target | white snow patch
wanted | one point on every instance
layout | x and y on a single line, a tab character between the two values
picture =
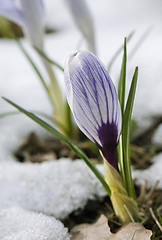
157	137
55	188
14	129
19	224
152	174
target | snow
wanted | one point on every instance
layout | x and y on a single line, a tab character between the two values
58	188
151	174
157	137
55	188
18	224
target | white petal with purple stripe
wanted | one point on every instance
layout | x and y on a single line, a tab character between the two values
92	97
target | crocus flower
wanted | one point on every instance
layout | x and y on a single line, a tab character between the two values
93	100
83	20
29	14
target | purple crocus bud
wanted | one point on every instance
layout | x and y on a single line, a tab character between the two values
93	100
83	20
29	14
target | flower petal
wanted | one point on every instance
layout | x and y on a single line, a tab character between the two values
33	12
83	20
9	9
93	100
29	14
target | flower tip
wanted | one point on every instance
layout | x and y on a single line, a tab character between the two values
72	57
71	61
74	54
77	59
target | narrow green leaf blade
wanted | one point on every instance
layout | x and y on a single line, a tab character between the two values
130	101
122	80
48	59
118	52
121	96
121	159
126	133
77	150
33	65
42	114
140	42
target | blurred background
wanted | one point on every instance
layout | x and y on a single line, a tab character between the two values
113	20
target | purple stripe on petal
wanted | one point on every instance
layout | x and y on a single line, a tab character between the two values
96	77
81	89
105	84
83	119
92	98
83	94
96	91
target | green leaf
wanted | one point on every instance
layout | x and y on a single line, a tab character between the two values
140	42
33	65
121	159
122	80
126	134
44	115
130	102
47	89
48	59
118	52
121	96
71	145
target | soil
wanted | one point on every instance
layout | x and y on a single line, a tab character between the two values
34	149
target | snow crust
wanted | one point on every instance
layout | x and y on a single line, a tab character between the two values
157	137
55	188
18	224
152	174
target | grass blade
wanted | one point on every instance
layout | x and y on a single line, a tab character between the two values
122	80
44	115
36	70
140	42
118	52
126	132
49	60
33	65
121	96
77	150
